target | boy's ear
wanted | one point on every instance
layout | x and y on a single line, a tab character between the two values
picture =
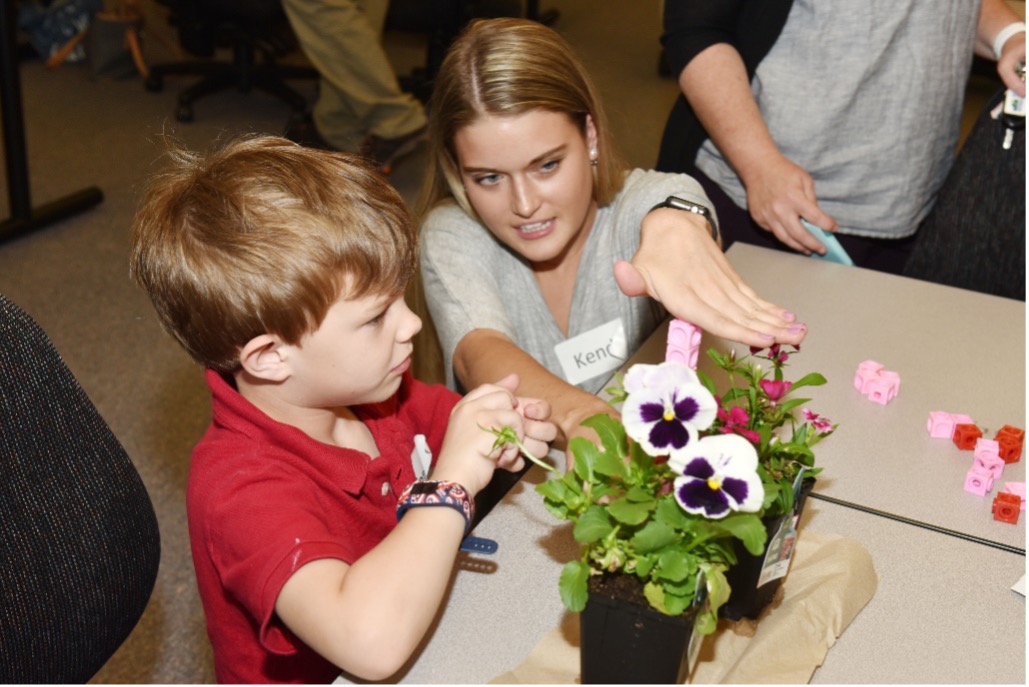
263	357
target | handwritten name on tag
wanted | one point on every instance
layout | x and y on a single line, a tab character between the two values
596	352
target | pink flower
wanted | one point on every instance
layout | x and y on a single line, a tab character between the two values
775	353
775	389
735	422
821	424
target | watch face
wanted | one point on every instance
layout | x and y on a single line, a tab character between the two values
681	204
422	488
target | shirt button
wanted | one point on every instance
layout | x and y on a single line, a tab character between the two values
385	488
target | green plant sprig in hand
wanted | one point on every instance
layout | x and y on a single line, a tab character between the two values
507	435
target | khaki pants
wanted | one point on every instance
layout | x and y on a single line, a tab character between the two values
358	92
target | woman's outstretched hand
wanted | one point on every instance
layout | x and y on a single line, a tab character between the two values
686	271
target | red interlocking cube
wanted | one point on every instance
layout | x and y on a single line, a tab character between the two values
1006	507
965	436
1010	440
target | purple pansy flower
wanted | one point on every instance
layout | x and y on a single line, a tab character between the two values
666	406
719	475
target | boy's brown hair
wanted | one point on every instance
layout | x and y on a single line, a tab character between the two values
263	236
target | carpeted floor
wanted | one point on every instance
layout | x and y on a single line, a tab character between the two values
72	277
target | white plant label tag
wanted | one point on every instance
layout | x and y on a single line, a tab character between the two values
593	353
780	550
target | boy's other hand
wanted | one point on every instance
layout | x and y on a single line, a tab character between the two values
468	456
539	432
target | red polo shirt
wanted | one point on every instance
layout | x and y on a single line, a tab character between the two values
264	499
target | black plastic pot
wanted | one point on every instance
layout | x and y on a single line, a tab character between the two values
624	642
747	599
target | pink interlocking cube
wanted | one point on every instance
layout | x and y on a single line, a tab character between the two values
940	424
884	387
683	343
867	371
987	457
978	483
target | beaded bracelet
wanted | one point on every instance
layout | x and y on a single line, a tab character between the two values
437	493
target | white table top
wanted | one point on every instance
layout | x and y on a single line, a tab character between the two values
943	611
955	350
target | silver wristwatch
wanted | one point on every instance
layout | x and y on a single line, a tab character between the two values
689	206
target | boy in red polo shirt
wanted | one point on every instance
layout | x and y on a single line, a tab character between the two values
282	270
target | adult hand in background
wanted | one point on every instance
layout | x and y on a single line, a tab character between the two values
779	193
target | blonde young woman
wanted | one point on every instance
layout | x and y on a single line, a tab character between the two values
542	253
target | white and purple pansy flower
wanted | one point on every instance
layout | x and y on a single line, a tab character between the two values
666	407
719	476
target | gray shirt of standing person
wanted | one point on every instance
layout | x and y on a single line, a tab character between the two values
473	281
867	97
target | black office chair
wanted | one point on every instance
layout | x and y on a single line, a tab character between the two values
258	33
974	237
79	543
442	21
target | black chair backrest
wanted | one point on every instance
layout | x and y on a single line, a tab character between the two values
79	543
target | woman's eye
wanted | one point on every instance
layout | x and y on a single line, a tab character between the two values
549	165
488	180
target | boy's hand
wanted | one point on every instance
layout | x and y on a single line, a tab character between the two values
468	456
535	412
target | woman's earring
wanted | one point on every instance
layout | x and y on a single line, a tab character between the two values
593	156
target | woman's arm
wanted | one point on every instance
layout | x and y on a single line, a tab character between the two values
995	15
487	354
779	192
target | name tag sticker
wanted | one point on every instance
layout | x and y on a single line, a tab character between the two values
593	353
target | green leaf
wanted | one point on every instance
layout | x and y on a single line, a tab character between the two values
771	494
706	622
717	586
644	564
593	525
676	605
629	512
610	431
585	454
706	380
655	594
572	585
553	490
611	465
811	379
674	566
652	537
787	406
638	494
669	513
748	528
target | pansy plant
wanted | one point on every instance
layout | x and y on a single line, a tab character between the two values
658	499
666	490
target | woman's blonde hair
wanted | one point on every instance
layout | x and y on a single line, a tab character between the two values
506	67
